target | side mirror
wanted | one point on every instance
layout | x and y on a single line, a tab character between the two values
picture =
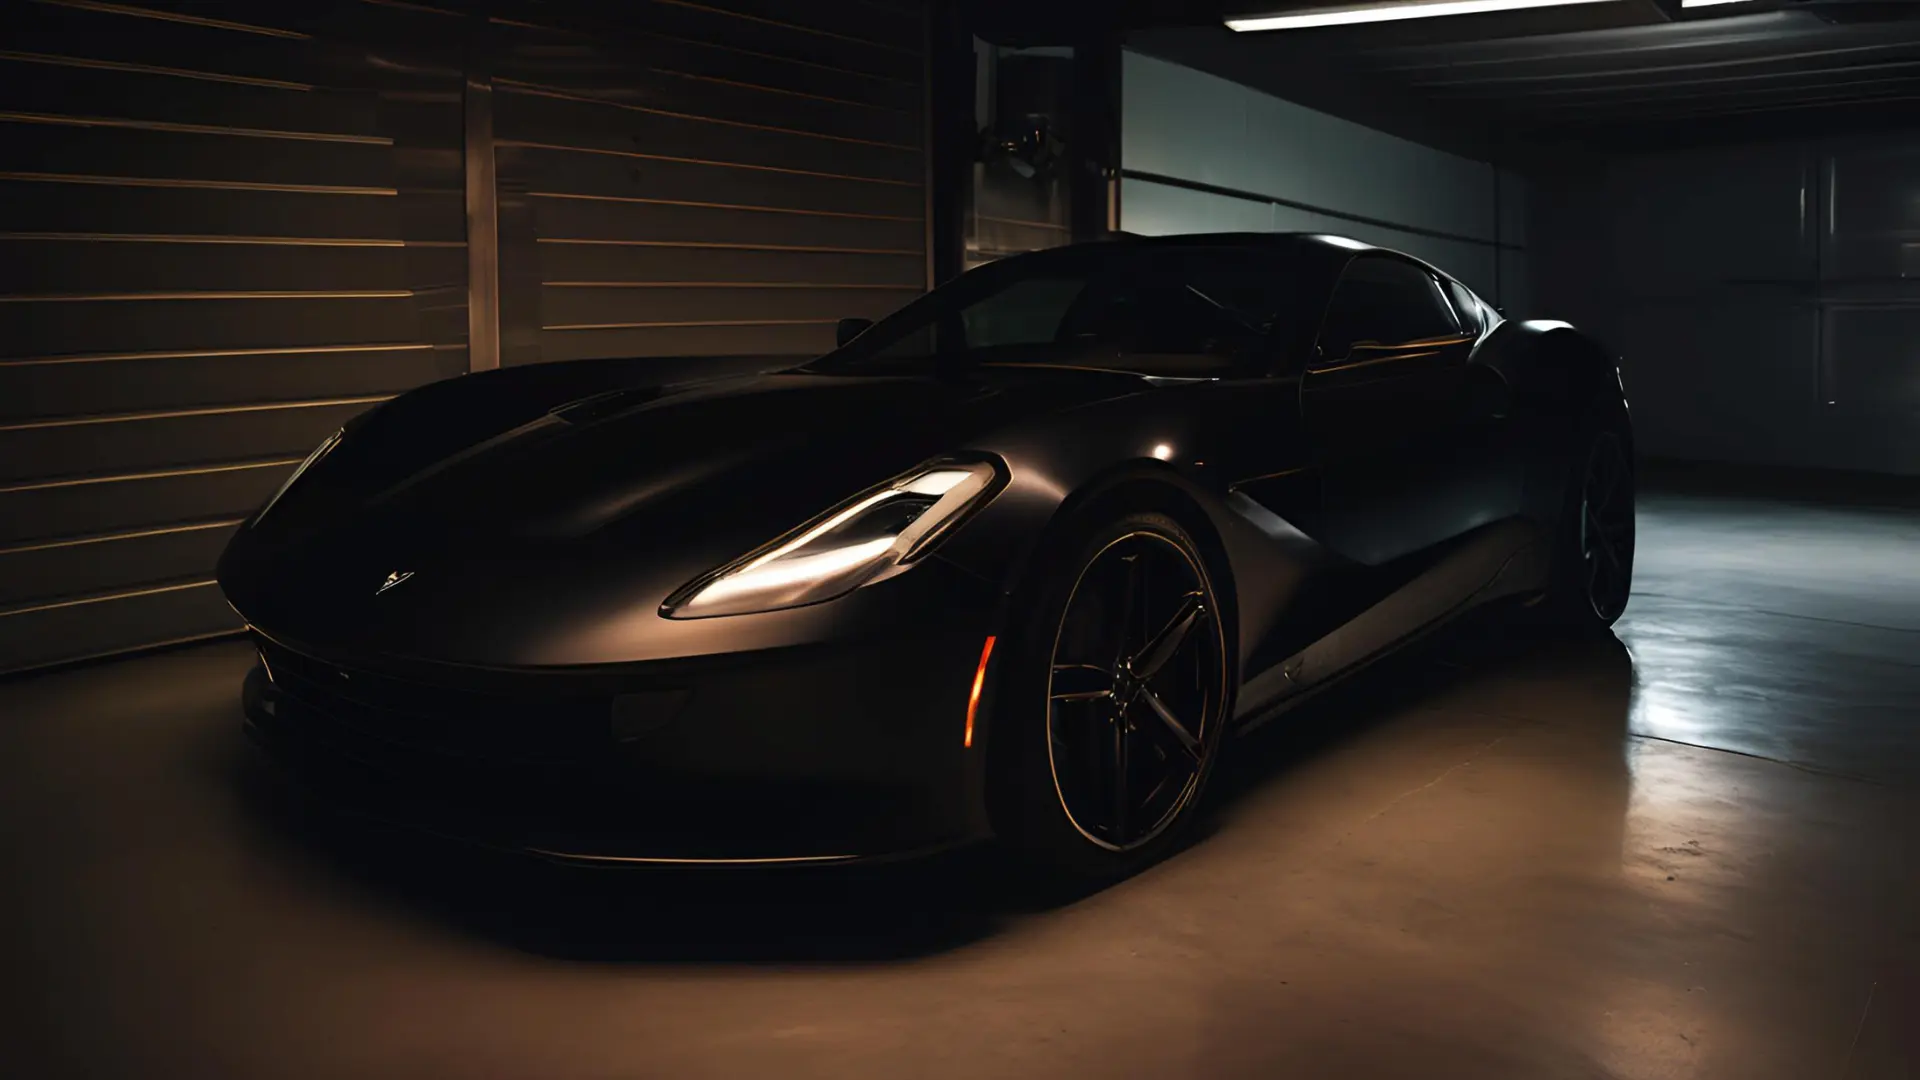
848	329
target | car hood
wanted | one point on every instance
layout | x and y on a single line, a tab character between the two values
622	494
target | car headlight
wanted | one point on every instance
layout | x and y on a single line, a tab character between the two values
326	447
872	536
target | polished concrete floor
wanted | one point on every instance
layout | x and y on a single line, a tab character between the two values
1691	852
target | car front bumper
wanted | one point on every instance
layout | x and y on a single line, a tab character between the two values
813	754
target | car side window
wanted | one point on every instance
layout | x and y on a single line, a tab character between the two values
1025	313
1382	301
1195	302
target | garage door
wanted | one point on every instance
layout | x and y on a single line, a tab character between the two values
226	228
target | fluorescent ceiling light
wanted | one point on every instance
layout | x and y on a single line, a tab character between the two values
1711	3
1391	12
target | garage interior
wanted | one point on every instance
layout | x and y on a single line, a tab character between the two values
1691	849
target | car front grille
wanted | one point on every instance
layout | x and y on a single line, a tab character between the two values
360	706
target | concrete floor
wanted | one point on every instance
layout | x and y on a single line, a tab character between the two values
1697	855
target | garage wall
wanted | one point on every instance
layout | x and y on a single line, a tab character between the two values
1200	153
221	234
227	227
1765	299
709	180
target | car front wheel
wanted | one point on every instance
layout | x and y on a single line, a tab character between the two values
1117	704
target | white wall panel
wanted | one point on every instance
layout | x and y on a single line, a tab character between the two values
1180	122
1296	169
1158	209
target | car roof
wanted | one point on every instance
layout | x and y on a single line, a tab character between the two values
1329	251
1324	241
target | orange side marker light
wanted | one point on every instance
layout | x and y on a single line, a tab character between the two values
973	699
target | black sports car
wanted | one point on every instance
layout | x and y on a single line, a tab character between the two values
1013	562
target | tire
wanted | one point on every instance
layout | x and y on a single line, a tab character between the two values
1119	670
1592	567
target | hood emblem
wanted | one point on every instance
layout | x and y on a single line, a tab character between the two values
393	579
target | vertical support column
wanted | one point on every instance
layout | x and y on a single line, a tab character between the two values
1093	151
950	139
483	206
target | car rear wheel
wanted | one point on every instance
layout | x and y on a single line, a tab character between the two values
1593	557
1117	703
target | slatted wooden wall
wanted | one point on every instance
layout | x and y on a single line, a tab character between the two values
712	180
226	227
223	231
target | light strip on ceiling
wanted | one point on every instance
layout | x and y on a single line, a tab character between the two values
1390	12
1711	3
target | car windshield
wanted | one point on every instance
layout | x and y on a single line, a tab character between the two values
1173	311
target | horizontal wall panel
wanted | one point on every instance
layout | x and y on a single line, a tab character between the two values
46	636
1680	357
578	173
1285	168
168	155
713	63
1748	216
111	563
795	341
575	306
430	215
113	37
90	91
523	116
1184	123
89	449
42	328
894	24
199	220
1873	359
106	207
600	219
53	509
1875	223
753	104
788	37
1778	325
115	262
141	384
201	225
1158	209
742	135
627	262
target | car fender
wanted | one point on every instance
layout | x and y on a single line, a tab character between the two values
1552	375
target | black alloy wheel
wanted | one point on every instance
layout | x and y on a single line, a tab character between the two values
1606	527
1136	690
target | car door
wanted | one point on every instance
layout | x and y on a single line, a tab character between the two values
1379	401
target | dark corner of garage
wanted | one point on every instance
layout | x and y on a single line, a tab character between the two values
960	538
